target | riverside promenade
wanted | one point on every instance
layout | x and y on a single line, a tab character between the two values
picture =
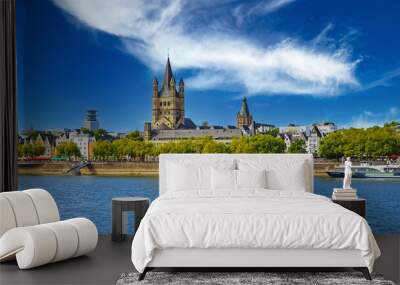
122	168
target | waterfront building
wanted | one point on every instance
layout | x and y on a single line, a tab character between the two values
287	138
313	141
295	129
83	141
220	134
91	121
47	139
326	127
260	128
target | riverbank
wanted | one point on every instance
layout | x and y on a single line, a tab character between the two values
95	168
120	168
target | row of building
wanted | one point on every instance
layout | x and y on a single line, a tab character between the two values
169	123
311	135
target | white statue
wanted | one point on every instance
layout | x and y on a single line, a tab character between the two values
347	174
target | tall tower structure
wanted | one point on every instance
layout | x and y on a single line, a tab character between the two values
91	121
243	117
168	108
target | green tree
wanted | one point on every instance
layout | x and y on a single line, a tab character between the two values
258	144
242	145
20	150
38	148
103	150
297	146
273	132
119	148
215	147
86	131
267	144
135	135
375	142
99	133
27	150
392	124
68	149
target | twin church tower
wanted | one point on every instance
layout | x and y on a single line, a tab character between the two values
168	106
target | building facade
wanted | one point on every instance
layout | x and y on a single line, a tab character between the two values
326	127
84	142
313	141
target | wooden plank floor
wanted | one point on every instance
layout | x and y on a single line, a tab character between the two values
110	260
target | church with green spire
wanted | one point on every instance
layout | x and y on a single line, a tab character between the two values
168	121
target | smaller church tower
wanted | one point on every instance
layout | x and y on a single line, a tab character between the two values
147	131
243	117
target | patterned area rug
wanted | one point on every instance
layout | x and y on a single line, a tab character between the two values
230	278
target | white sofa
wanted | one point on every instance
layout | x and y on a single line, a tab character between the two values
31	231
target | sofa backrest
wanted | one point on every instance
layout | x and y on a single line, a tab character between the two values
26	208
280	166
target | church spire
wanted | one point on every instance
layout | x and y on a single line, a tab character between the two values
167	75
244	110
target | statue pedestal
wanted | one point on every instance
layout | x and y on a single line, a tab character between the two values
344	194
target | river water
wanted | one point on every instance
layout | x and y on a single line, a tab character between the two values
90	196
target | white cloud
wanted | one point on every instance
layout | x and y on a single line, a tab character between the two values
383	81
368	119
263	7
217	58
322	37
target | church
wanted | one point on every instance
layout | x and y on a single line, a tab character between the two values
168	121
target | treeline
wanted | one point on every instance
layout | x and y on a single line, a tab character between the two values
31	149
371	143
129	148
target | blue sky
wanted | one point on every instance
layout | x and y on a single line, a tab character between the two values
297	61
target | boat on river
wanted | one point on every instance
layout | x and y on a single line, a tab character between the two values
366	170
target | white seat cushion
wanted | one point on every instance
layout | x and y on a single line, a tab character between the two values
7	220
23	208
46	207
67	240
40	244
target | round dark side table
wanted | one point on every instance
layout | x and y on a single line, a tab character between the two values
120	208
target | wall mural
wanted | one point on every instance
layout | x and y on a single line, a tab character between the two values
104	87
